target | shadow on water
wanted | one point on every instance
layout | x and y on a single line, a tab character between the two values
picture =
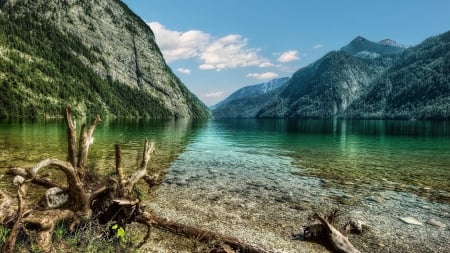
340	126
360	155
24	143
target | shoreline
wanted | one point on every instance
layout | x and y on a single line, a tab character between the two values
265	207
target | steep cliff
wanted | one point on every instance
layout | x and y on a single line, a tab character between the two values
416	87
97	55
370	80
323	89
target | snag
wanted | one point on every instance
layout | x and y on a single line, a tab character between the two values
86	196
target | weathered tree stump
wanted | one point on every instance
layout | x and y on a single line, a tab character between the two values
324	231
86	196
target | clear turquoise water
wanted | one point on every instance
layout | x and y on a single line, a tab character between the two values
262	179
412	156
409	156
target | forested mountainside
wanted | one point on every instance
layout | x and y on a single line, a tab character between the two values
97	56
246	102
416	87
365	79
324	88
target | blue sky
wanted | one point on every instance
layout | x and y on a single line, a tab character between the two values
216	47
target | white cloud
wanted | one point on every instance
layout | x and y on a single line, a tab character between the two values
289	56
230	51
263	76
318	46
218	94
184	71
266	64
179	45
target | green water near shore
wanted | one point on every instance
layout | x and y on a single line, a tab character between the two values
412	156
24	143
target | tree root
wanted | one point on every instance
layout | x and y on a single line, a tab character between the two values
323	229
198	233
109	201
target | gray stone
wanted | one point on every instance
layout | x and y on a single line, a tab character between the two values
411	220
436	223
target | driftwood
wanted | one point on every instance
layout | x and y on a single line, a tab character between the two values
323	230
85	197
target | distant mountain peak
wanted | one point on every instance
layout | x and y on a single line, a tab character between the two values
245	102
392	43
359	39
362	47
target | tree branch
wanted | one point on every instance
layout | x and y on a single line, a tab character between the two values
148	224
149	148
86	141
119	170
45	182
46	221
72	137
200	234
10	244
76	188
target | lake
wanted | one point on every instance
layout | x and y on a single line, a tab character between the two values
262	179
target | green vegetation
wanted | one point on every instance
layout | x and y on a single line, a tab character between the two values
42	69
89	237
417	86
414	84
40	73
3	234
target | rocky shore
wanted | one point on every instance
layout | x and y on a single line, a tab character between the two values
259	198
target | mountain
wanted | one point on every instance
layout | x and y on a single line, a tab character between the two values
370	80
325	88
365	48
417	86
97	56
247	101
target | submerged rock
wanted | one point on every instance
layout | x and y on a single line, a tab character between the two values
411	220
436	223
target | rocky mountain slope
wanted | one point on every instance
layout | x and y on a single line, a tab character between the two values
327	87
360	46
96	55
324	88
370	80
417	86
247	101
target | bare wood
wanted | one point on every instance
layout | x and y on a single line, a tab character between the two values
76	187
119	170
97	192
198	233
126	202
10	244
152	181
111	204
81	152
45	182
7	210
149	148
71	136
339	242
46	221
86	141
148	224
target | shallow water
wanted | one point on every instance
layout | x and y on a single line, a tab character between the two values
261	179
24	143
